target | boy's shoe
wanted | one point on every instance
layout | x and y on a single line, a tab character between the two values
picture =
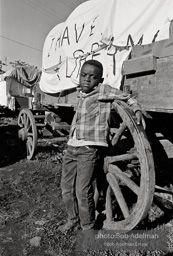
68	226
100	220
90	226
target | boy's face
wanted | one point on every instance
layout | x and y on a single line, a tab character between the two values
90	77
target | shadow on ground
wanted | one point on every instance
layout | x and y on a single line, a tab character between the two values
11	147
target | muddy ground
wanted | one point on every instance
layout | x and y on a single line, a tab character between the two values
31	204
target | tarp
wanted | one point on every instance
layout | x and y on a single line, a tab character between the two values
18	82
104	30
26	75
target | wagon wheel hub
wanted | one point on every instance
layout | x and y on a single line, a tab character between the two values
22	133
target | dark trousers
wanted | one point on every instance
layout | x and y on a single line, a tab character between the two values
80	168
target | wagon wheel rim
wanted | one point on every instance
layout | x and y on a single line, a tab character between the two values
141	188
28	131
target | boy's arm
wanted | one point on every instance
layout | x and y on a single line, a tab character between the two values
133	103
109	93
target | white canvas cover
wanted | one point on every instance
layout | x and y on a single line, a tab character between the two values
3	93
17	82
104	30
6	100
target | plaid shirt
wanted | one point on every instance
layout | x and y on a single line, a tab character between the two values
91	119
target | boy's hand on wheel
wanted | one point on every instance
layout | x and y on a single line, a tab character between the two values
140	119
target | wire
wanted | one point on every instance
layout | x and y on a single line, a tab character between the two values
38	9
67	4
46	10
20	43
47	7
41	6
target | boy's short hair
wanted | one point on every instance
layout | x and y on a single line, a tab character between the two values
94	63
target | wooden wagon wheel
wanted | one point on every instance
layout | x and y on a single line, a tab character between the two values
28	131
130	172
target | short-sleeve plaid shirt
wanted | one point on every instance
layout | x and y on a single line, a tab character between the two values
91	119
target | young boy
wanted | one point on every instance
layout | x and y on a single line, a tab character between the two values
87	139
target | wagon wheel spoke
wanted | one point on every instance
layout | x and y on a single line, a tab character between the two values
123	157
109	212
27	122
21	121
24	119
118	134
119	175
29	126
114	159
118	194
29	146
30	134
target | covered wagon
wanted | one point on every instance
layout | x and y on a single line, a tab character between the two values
133	40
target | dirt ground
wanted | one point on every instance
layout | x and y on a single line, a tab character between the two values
31	204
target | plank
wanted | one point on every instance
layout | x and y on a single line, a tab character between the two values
160	49
139	65
154	92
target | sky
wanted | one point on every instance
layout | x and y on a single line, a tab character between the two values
24	25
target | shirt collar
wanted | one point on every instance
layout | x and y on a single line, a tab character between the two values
81	94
